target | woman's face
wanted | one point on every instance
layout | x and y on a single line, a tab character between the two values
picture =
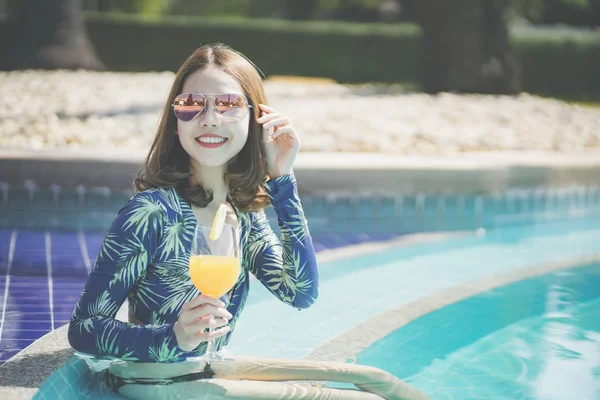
211	138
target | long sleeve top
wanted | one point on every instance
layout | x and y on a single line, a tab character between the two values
145	258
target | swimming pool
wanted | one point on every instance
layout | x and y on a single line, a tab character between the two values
425	349
538	338
516	230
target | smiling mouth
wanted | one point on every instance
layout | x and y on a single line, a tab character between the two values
211	141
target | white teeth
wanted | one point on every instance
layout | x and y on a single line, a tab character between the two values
210	140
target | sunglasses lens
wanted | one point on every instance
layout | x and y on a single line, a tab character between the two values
232	106
188	105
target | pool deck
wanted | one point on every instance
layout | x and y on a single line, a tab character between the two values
468	173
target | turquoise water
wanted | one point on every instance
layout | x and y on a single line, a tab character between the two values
355	289
534	339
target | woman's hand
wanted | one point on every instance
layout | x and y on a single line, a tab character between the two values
195	317
282	143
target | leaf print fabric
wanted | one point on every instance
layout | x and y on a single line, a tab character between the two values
145	257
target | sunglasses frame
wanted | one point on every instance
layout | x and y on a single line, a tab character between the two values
206	97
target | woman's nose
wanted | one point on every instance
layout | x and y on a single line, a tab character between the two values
209	117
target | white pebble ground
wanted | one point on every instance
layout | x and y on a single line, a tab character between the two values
101	110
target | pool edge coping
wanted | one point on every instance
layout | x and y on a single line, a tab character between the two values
351	342
323	172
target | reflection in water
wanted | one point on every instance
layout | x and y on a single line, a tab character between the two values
554	356
569	349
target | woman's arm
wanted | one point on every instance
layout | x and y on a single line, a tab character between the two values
125	253
286	266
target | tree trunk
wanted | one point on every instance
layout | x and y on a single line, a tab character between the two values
48	34
466	47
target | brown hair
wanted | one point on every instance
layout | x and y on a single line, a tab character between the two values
167	163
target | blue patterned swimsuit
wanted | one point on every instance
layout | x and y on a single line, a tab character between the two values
144	258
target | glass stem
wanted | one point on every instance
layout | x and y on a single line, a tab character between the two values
210	348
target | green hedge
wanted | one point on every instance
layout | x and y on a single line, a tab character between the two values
555	61
558	61
346	52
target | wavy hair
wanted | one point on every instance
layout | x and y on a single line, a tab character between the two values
168	164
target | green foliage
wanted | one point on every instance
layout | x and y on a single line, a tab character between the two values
148	8
346	52
570	12
554	60
323	9
559	61
240	8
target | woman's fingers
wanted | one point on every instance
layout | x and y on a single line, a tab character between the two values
217	333
200	300
212	323
279	121
266	108
286	129
191	316
268	117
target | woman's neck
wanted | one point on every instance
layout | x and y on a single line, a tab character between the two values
212	179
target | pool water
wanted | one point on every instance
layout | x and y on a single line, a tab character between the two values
405	274
48	243
534	339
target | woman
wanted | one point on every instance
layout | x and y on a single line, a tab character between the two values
217	143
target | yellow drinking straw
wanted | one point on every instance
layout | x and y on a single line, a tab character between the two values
218	222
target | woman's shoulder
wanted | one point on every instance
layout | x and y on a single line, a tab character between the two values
164	198
152	194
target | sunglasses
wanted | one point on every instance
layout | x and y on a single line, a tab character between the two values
232	106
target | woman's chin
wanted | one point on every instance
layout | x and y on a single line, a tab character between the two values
211	162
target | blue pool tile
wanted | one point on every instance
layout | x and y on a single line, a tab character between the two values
29	282
37	290
5	236
10	343
12	316
66	255
30	254
6	355
68	296
16	325
40	307
63	310
63	315
68	282
93	242
64	298
23	302
24	334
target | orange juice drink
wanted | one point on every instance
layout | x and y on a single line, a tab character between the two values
214	275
